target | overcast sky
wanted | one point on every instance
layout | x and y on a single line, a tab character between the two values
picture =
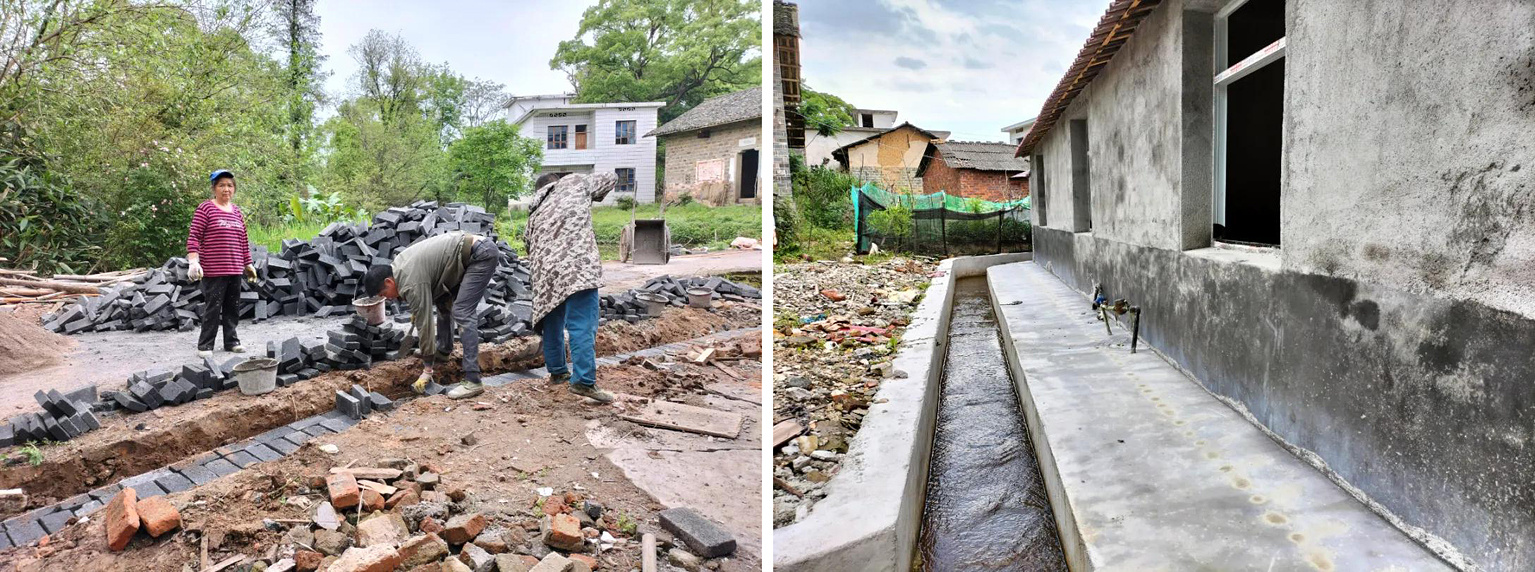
507	41
970	67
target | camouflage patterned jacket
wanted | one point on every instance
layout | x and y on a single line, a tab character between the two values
562	248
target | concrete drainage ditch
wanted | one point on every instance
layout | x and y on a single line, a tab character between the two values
872	516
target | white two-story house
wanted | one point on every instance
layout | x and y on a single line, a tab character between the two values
592	138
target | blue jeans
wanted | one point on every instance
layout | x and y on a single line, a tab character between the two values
577	315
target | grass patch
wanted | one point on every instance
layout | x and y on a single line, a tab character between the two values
825	244
271	236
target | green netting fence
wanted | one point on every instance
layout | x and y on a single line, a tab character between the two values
938	224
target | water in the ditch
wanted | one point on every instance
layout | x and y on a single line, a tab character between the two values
986	504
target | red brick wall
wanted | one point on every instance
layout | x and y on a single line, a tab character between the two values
987	185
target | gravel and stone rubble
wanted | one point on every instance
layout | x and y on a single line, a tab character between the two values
836	327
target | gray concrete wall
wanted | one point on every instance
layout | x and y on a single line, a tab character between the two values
1410	147
1424	404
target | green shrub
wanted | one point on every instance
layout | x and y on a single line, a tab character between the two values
153	214
624	202
44	224
823	196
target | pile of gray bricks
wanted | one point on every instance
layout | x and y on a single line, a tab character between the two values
64	417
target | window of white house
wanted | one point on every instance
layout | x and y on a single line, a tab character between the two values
1081	178
867	119
623	132
1249	120
626	182
558	135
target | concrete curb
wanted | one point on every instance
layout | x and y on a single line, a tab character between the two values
872	511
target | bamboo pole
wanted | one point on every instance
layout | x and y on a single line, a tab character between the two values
60	286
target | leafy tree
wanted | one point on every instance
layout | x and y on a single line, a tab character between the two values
676	51
483	101
824	113
298	29
492	163
381	164
390	75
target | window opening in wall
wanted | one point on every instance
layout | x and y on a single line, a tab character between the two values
625	180
623	132
1249	120
557	137
580	136
867	119
1038	165
1081	179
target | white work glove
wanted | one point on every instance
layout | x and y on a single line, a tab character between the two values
196	271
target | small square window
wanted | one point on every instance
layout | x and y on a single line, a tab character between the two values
558	137
626	182
623	133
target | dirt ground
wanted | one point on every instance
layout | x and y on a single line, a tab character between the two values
130	444
25	346
500	448
108	358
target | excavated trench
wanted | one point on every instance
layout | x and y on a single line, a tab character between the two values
129	445
986	507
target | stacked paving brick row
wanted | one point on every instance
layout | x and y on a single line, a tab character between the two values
316	277
274	444
64	417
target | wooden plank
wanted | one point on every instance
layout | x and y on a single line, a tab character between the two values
679	417
648	553
60	286
728	371
373	473
785	431
377	487
225	563
704	357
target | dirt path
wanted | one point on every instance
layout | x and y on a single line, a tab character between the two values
500	449
618	276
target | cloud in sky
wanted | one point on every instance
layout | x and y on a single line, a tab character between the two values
509	42
966	66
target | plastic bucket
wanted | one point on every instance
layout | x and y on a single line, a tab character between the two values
256	376
654	303
700	297
371	308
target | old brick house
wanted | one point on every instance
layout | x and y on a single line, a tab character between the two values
712	150
972	169
889	158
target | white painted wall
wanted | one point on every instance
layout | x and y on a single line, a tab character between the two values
601	153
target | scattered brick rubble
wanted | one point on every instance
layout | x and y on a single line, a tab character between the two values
834	327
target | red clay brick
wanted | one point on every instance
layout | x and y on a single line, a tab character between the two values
343	490
591	563
402	497
122	520
463	528
372	501
158	516
564	533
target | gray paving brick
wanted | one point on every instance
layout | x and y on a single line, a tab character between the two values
5	540
199	474
144	484
305	423
318	431
222	467
335	425
272	435
24	531
263	452
89	508
106	493
242	459
282	446
298	437
56	521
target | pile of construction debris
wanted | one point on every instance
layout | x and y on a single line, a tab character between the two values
836	329
401	515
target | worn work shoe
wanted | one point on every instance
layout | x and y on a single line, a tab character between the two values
558	378
591	392
465	390
237	349
204	353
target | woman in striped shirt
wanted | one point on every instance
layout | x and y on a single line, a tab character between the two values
217	249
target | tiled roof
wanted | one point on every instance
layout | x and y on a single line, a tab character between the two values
742	105
1113	32
981	155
